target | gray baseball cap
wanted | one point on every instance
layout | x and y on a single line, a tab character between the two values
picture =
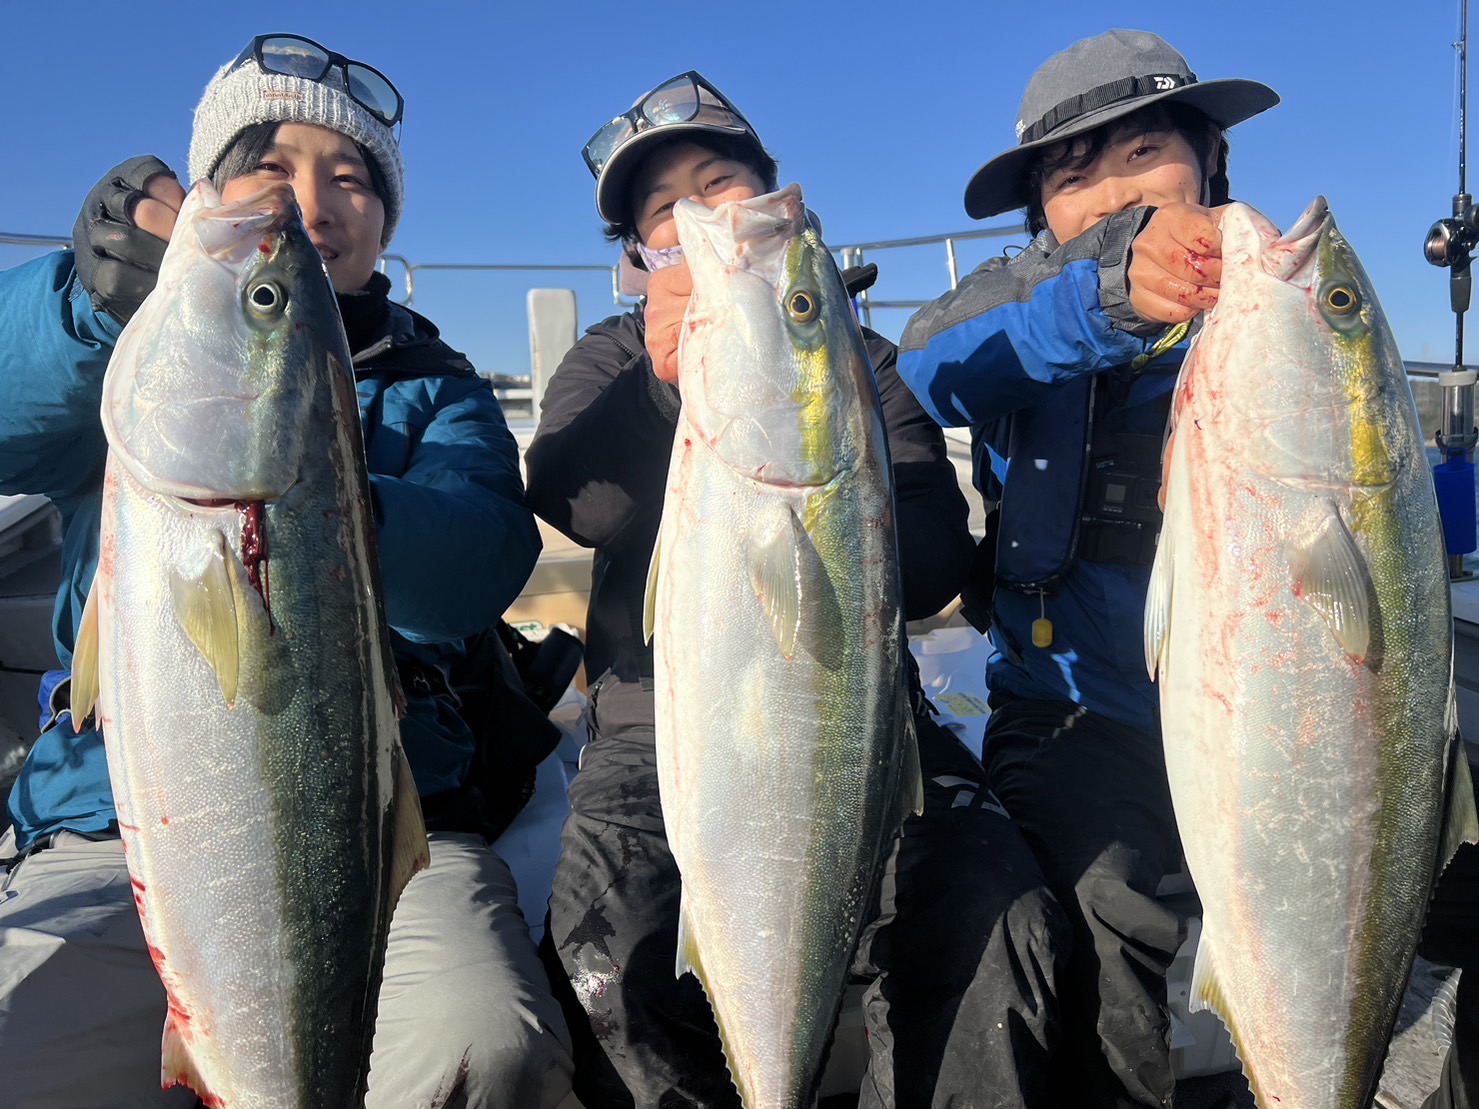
1095	81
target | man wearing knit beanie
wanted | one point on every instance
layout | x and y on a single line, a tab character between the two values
465	1014
128	216
240	95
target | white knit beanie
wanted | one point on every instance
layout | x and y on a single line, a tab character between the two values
238	98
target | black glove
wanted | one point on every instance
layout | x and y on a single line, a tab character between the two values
117	261
858	278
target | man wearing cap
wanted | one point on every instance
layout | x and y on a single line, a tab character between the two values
1061	362
961	956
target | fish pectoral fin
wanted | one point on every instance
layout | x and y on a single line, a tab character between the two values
791	582
410	851
84	692
176	1064
774	561
1158	605
215	608
1330	574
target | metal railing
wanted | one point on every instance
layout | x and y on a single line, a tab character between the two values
851	254
9	238
413	268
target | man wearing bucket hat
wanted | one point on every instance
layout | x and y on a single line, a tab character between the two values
1061	360
961	956
465	1014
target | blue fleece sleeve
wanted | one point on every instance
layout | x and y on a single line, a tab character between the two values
53	350
1013	330
457	540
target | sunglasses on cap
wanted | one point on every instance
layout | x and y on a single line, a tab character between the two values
295	56
687	98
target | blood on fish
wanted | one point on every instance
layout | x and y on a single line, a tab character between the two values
254	550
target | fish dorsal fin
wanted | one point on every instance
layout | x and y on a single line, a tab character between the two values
791	583
410	852
220	613
649	599
177	1065
84	692
1158	604
1330	574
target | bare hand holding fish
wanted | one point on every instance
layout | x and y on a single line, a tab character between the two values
1176	263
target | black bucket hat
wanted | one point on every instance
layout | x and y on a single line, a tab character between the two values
1095	81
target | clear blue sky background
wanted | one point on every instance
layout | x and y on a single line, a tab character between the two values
880	110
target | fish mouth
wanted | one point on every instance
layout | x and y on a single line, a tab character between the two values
1289	254
739	232
1307	224
230	231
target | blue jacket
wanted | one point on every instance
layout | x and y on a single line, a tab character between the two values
1022	352
456	540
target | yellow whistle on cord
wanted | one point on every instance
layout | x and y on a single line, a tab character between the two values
1042	627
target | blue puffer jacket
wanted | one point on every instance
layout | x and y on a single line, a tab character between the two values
455	538
1018	352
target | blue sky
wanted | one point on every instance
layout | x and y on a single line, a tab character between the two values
880	110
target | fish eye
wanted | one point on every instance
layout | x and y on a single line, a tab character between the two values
266	298
1342	300
801	306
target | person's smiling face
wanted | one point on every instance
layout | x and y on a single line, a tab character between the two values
341	211
685	170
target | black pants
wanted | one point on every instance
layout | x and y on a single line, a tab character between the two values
961	957
1093	802
1451	936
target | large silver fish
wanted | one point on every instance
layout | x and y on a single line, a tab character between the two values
236	645
1298	621
785	742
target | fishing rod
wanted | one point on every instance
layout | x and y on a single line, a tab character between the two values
1450	244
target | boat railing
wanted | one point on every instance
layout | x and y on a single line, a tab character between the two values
849	254
43	242
411	269
855	254
1423	374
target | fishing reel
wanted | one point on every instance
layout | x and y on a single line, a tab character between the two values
1450	243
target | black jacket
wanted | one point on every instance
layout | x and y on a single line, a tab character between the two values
598	465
